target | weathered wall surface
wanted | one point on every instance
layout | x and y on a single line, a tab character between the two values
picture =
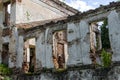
20	51
13	47
114	34
1	44
22	11
35	10
76	74
113	25
78	43
44	49
78	39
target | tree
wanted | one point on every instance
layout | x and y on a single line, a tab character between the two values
105	35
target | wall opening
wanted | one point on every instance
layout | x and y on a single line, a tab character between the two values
32	58
99	39
5	54
29	55
60	49
7	11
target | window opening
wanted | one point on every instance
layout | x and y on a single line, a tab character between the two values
60	49
99	39
7	10
29	55
5	54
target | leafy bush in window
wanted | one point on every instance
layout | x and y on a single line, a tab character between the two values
106	58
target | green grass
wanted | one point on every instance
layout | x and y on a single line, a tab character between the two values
60	70
4	70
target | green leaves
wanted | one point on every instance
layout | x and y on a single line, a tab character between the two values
106	58
7	78
4	70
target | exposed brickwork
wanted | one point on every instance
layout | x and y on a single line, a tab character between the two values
6	32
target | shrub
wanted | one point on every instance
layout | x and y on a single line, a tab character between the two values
7	78
106	58
4	70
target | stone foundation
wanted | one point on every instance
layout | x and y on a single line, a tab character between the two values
75	74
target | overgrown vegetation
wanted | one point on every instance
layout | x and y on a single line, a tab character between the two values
60	70
4	70
7	78
106	58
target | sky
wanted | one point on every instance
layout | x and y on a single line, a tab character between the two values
84	5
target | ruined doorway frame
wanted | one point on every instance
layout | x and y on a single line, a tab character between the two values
65	51
27	55
96	43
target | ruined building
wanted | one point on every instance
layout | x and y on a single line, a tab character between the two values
43	36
